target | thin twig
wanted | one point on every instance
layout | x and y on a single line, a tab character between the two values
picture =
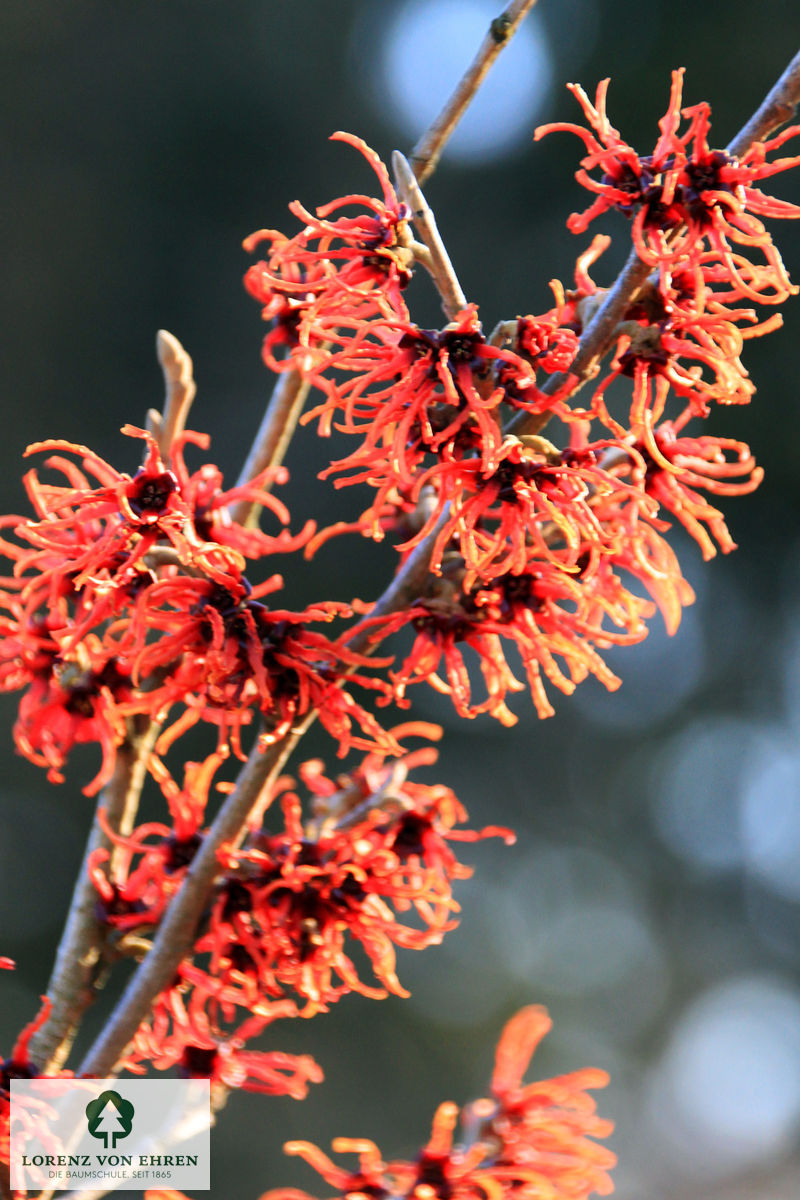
177	928
180	389
428	150
273	437
72	984
440	266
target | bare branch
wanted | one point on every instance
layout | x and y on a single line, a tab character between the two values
428	150
72	984
180	390
273	437
440	266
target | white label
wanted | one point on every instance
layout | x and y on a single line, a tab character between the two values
84	1135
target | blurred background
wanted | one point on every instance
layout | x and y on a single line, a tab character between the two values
653	899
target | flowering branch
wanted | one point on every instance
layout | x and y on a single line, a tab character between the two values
180	921
290	392
596	339
428	150
778	107
132	599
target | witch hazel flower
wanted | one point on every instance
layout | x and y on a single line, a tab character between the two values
184	1034
416	391
103	531
679	465
684	196
227	655
537	1139
68	700
336	269
135	883
376	847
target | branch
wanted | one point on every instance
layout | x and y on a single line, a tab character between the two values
428	150
288	398
439	265
177	929
273	437
72	984
176	366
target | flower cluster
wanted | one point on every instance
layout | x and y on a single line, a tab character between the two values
553	548
688	202
131	609
335	273
129	597
287	905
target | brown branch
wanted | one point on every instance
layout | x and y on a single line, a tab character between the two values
273	437
428	150
438	262
180	387
72	984
177	928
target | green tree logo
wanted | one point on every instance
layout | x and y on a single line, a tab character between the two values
110	1116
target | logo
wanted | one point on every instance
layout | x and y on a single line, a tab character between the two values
110	1117
100	1135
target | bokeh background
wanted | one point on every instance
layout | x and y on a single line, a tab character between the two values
653	899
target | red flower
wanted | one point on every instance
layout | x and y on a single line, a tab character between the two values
336	269
536	501
414	392
145	874
98	536
71	699
290	902
684	195
182	1034
534	1140
226	654
676	466
556	621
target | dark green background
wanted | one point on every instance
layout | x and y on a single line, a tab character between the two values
141	141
